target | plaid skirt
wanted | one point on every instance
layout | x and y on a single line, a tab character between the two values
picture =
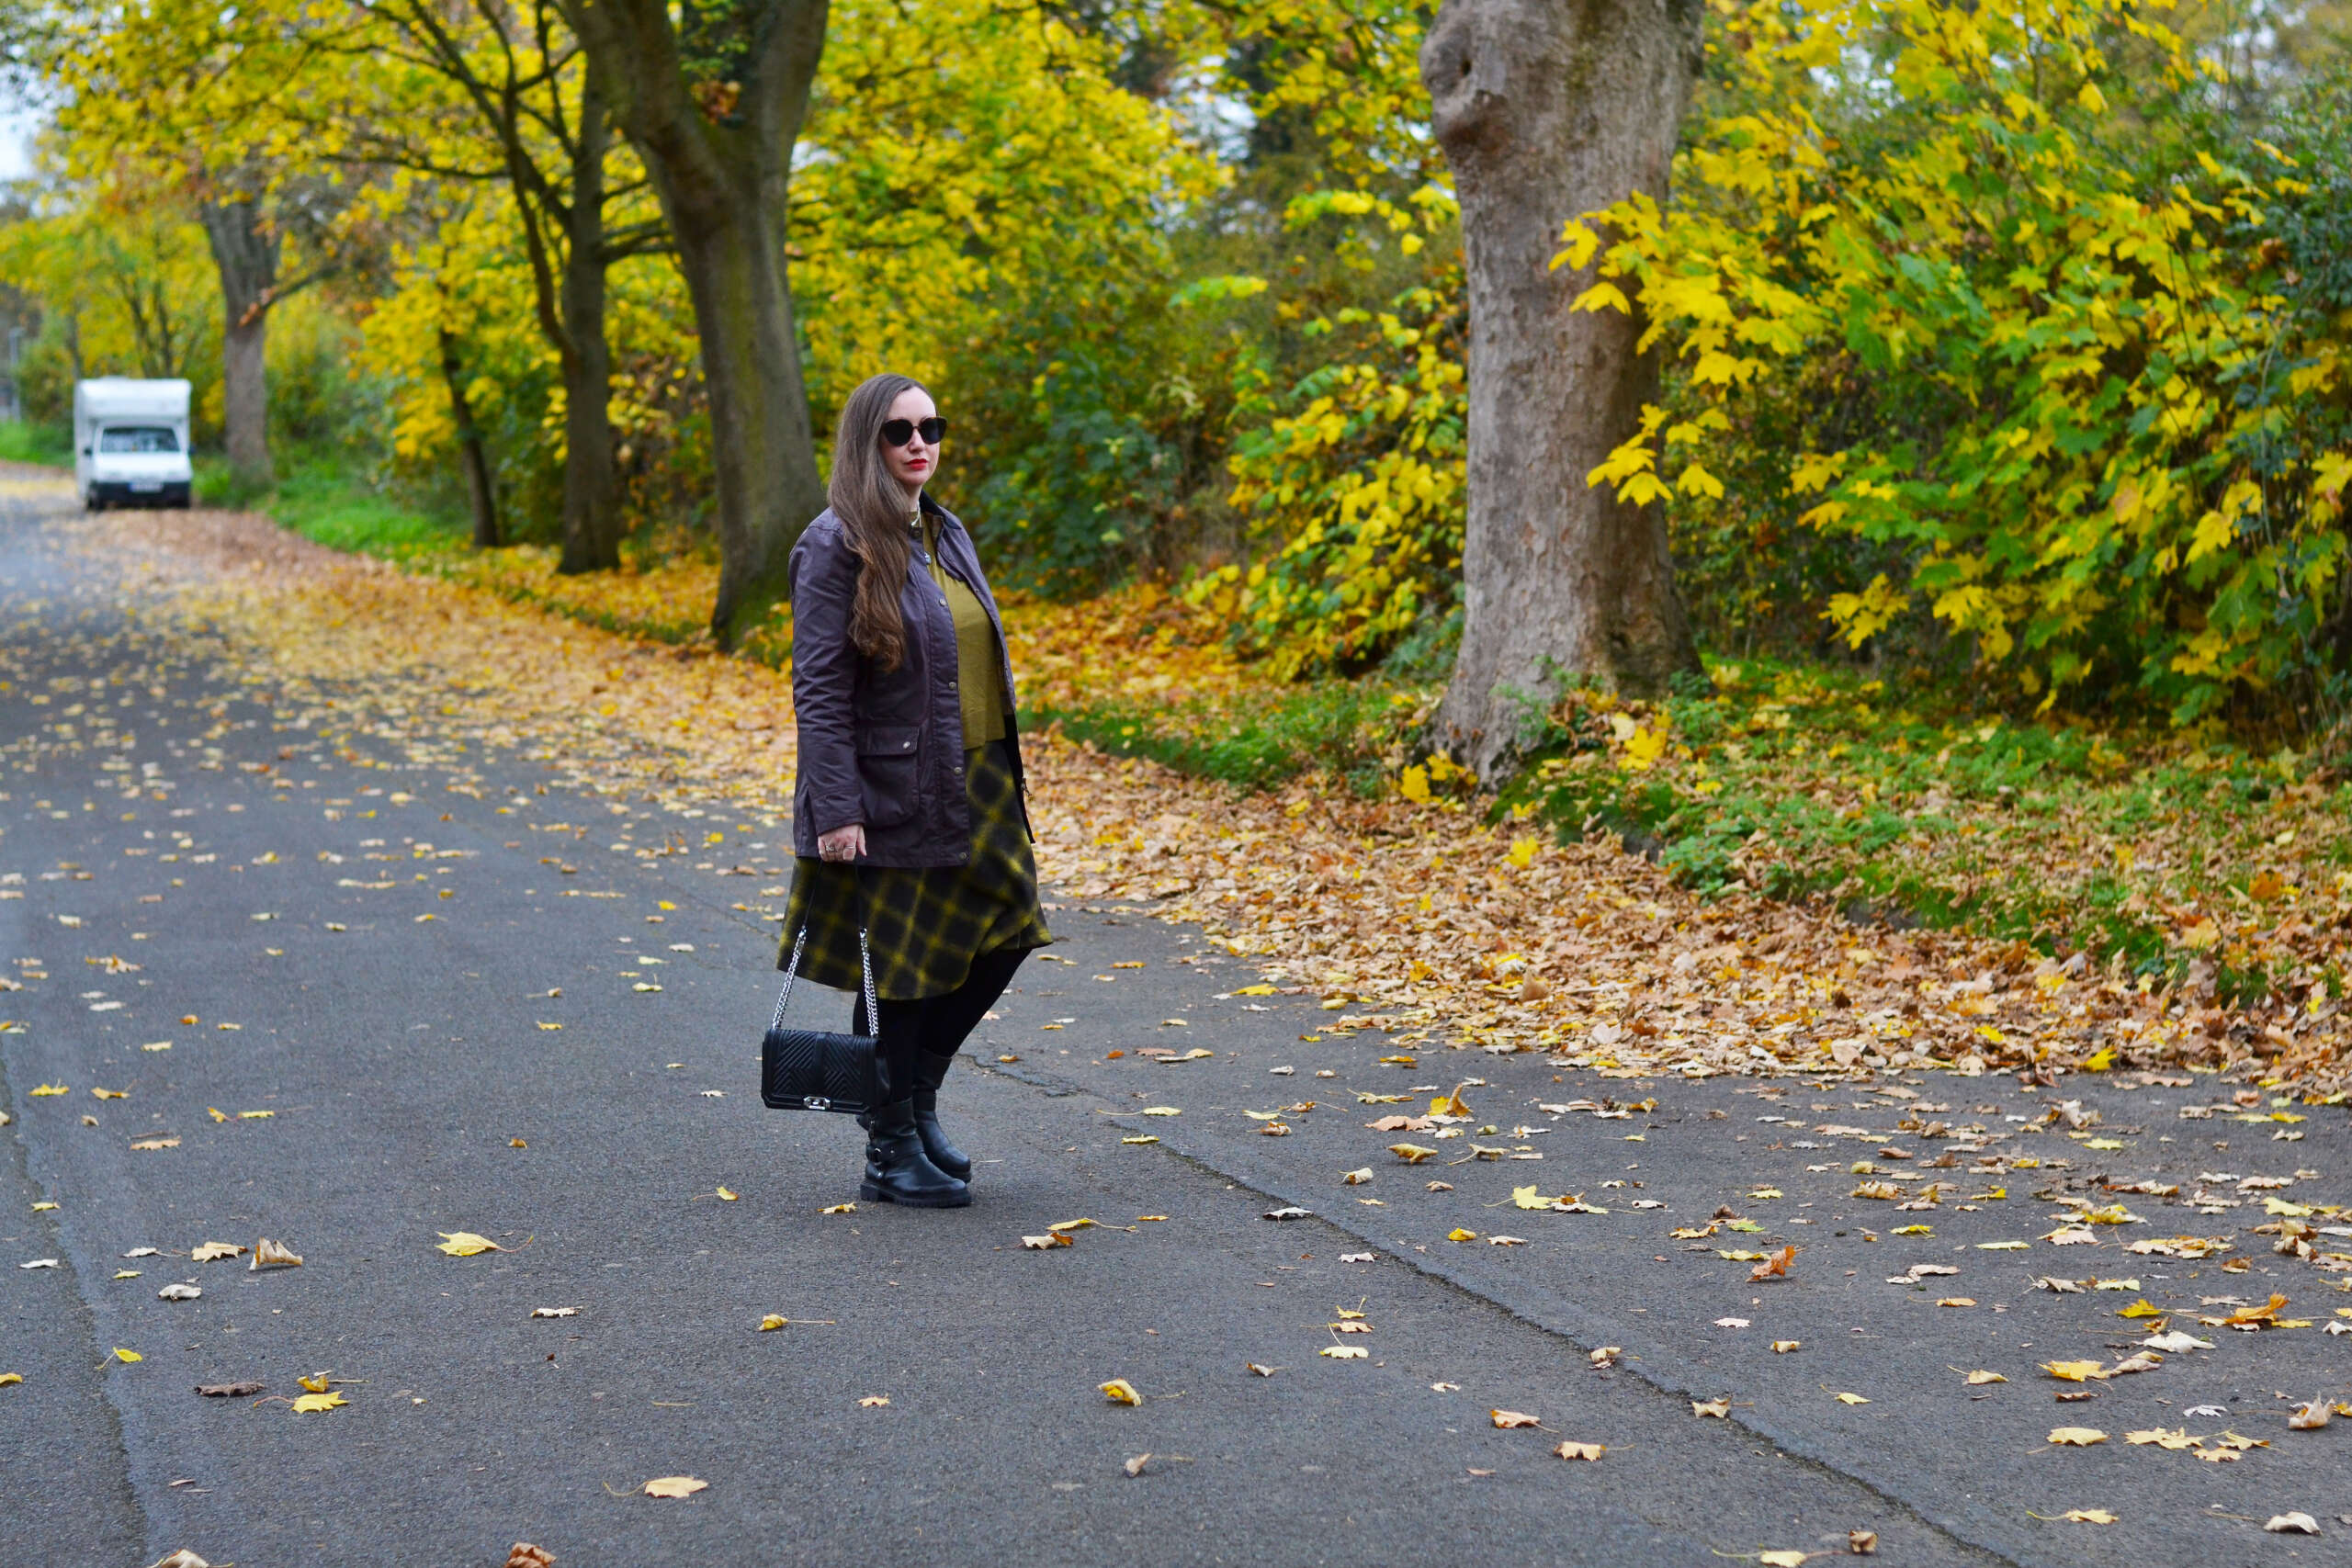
924	924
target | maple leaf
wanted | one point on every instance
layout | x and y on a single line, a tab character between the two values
465	1244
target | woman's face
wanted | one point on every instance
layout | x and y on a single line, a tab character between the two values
914	464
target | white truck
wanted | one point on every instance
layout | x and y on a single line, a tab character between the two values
131	443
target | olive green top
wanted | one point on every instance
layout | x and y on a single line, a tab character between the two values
980	675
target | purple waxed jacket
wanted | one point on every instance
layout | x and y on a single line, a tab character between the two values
885	749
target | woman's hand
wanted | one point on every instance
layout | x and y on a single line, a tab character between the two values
843	843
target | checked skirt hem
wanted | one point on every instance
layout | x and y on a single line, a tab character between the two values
925	924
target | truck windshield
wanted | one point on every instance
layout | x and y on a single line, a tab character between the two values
139	438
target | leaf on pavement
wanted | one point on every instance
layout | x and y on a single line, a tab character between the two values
1775	1266
1782	1558
2075	1371
2077	1437
1977	1377
2312	1416
1346	1352
2292	1523
2267	1313
2175	1439
1718	1408
2089	1517
268	1253
673	1486
228	1390
1119	1391
1411	1153
177	1293
1581	1450
1134	1466
839	1209
874	1402
554	1312
310	1404
123	1355
1356	1177
1782	1347
1851	1399
210	1251
1047	1242
1508	1420
465	1244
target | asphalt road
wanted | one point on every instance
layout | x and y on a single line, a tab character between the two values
326	997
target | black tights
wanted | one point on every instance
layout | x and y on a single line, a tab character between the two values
938	1025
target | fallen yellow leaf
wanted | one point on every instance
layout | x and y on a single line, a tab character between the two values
2077	1436
1851	1399
309	1404
1580	1450
673	1486
1509	1420
725	1196
2075	1371
465	1244
123	1355
2089	1517
1978	1378
772	1322
1119	1391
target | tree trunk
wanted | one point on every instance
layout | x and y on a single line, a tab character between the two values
591	499
471	455
246	256
1546	110
720	155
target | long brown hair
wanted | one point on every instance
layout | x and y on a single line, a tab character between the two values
871	506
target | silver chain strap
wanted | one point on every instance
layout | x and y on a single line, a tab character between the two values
866	962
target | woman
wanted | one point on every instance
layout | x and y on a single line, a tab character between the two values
908	818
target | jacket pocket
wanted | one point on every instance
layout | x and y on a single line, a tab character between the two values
887	772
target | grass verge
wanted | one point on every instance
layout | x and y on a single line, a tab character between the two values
50	445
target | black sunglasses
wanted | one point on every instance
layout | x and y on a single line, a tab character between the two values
899	432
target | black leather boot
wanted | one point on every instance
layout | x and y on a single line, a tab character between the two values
896	1168
930	1072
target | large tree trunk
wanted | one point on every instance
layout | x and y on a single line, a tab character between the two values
592	498
246	254
1546	110
480	496
720	155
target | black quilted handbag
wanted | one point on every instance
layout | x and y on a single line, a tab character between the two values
814	1069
